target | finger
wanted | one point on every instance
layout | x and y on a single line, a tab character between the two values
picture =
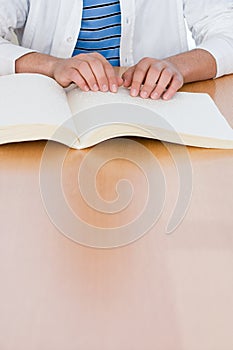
120	81
139	76
175	85
127	76
84	69
67	75
78	80
164	79
98	70
108	70
152	77
113	81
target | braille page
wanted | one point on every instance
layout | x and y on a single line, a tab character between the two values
29	99
194	116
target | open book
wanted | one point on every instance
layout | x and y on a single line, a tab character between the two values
34	107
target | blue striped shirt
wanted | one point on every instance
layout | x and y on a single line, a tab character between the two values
100	29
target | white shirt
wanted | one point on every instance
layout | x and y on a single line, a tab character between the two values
150	28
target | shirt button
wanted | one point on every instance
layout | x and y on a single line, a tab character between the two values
126	60
127	20
69	39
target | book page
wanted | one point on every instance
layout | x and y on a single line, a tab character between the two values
31	99
190	114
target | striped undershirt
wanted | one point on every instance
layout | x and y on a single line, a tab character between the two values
100	29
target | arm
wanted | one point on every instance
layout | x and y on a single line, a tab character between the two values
89	71
195	65
162	78
13	14
211	24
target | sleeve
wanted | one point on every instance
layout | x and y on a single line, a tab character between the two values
13	16
211	24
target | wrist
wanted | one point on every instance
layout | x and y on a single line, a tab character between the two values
36	63
49	66
195	65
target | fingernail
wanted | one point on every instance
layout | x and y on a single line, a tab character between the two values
104	87
114	88
166	96
133	92
144	94
154	95
95	87
86	88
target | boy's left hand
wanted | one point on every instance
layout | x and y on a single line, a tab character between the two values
152	78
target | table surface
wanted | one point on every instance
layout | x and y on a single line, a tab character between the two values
163	291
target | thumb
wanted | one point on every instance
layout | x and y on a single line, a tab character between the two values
127	76
119	81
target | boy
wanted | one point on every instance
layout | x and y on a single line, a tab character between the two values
80	41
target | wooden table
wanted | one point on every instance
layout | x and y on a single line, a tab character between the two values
166	292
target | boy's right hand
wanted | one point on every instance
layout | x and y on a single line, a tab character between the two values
88	71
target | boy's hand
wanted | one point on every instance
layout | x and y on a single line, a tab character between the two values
152	78
88	71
